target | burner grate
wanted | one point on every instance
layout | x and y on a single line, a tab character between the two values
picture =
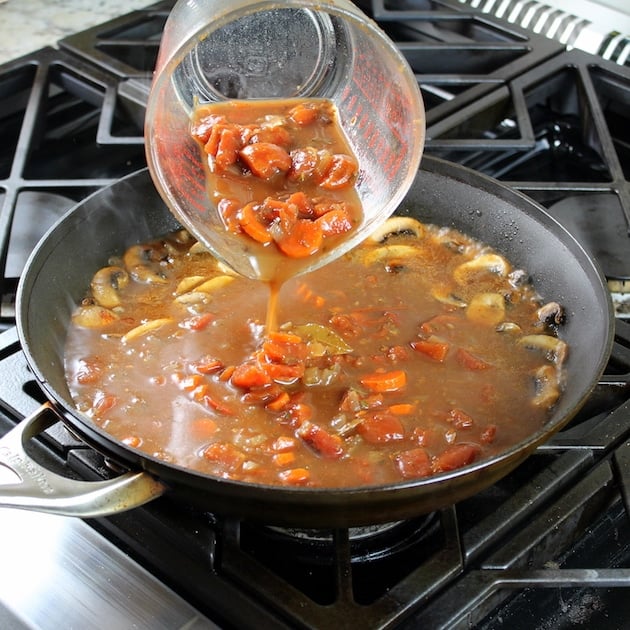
559	133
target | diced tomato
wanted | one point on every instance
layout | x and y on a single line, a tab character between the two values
460	419
381	427
299	413
284	347
470	361
455	457
436	350
103	403
385	381
304	162
198	322
413	463
488	434
88	371
274	135
265	159
207	365
320	440
302	204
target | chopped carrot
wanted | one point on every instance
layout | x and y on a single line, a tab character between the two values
295	476
225	454
304	114
283	444
470	361
335	221
228	148
385	381
284	459
304	240
203	427
248	376
280	403
402	409
436	350
252	225
132	440
265	159
340	173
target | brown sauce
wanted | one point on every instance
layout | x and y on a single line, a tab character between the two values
282	177
400	360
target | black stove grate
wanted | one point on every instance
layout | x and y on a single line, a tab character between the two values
549	545
457	53
65	132
559	133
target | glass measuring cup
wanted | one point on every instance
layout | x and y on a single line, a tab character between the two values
215	50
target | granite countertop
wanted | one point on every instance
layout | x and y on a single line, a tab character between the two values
28	25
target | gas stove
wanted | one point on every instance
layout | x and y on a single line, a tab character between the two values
547	546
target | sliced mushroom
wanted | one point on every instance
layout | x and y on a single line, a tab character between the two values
554	349
145	329
214	284
192	298
509	327
397	225
189	283
143	263
547	387
445	295
486	308
93	316
551	314
485	263
106	285
390	254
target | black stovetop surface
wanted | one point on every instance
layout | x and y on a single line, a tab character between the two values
546	547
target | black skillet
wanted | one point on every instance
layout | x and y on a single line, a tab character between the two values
131	211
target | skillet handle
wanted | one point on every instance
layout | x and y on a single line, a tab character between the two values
42	490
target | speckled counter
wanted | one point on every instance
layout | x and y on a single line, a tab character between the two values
28	25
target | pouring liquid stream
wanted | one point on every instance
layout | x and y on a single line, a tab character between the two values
281	175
